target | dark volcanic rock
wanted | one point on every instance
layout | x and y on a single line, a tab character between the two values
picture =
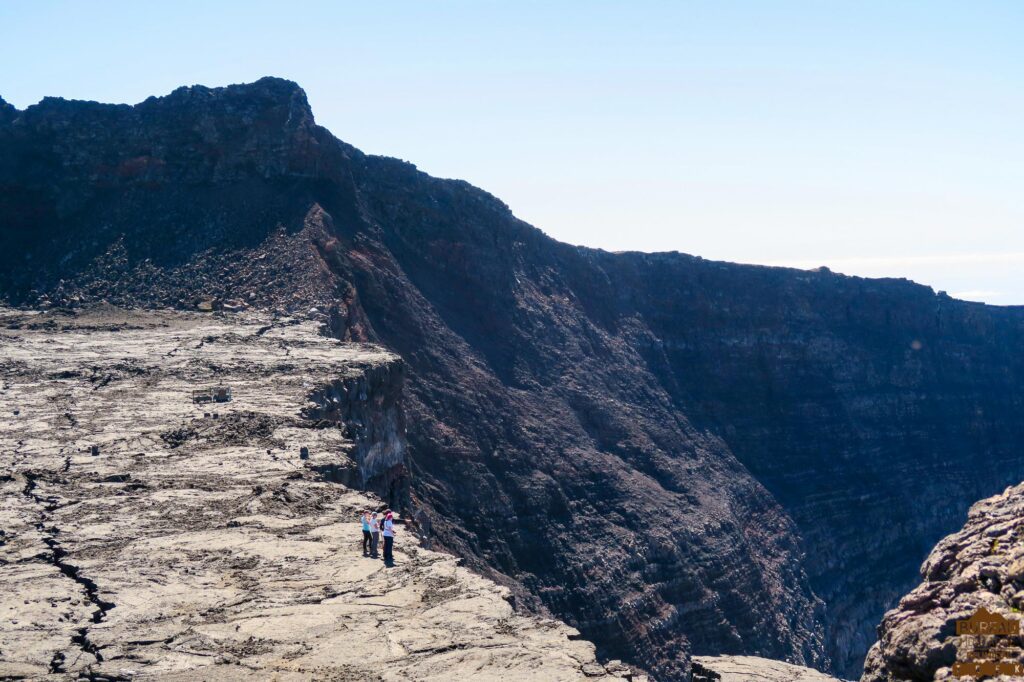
980	566
625	439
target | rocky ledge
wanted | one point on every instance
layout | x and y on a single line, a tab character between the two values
982	565
752	669
149	535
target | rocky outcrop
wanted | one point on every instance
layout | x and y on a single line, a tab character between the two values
195	542
979	567
674	455
752	669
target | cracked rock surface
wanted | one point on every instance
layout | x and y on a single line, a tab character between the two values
195	543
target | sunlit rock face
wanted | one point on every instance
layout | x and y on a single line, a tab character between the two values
677	456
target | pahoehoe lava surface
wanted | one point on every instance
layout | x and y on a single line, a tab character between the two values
223	554
674	455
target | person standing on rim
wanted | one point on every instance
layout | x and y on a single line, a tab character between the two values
389	536
374	534
365	519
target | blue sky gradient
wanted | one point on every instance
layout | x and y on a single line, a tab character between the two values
877	138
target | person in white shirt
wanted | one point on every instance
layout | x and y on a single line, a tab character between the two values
374	534
389	536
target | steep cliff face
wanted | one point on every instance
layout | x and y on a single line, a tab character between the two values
979	566
368	408
875	411
672	454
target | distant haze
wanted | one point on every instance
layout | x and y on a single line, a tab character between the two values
875	138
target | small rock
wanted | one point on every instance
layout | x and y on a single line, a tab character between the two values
617	668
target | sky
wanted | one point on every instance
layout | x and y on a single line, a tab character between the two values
875	138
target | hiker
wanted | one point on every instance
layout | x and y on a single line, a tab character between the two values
389	536
374	534
365	519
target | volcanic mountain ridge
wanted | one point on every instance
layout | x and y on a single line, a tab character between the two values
676	456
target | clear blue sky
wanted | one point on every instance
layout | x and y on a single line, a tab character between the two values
878	138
